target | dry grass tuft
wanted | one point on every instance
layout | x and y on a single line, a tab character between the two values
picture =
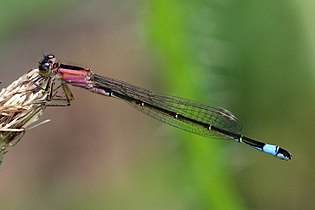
21	105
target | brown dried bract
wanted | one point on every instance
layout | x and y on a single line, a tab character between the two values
21	105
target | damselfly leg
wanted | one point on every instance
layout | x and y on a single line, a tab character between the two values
58	95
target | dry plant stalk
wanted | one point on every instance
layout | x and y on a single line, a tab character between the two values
21	104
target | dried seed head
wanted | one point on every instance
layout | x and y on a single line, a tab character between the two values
21	104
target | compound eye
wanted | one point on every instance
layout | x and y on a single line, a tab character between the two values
44	67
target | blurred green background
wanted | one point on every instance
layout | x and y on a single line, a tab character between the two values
252	57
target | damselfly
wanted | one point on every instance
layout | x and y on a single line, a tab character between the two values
187	115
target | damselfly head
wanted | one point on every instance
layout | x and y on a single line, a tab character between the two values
47	64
